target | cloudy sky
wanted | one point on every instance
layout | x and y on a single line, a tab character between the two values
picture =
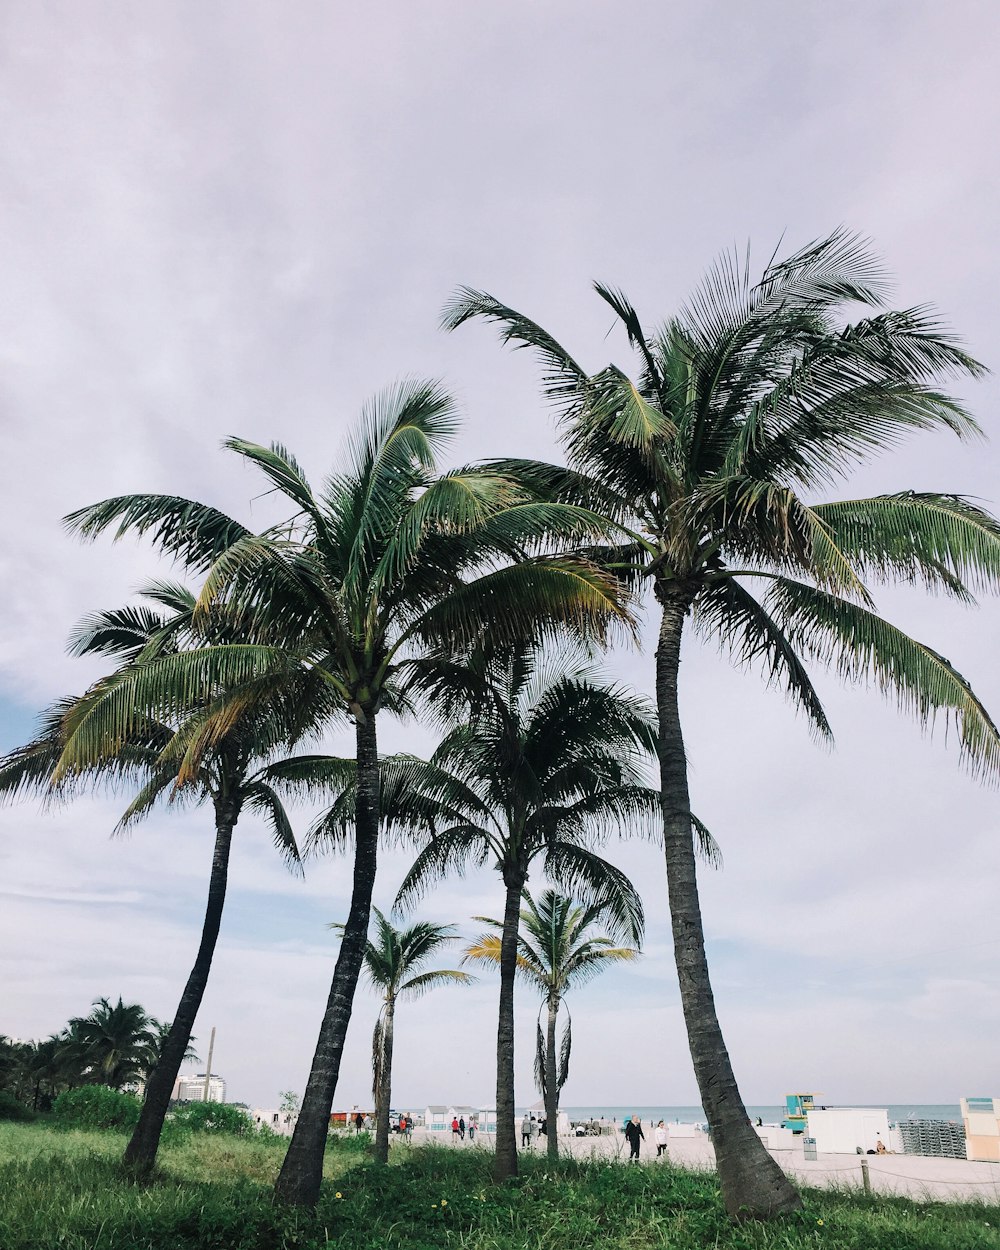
243	218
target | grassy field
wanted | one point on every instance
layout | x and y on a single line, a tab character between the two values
62	1191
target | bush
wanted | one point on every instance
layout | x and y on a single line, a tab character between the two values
213	1117
96	1106
11	1109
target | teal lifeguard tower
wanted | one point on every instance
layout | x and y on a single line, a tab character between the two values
797	1107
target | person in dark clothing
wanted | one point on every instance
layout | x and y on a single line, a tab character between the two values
359	1122
461	1127
634	1134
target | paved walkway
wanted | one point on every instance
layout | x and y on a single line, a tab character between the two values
911	1176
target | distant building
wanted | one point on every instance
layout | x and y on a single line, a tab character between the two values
192	1088
982	1128
281	1122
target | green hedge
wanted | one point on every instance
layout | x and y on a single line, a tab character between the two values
96	1106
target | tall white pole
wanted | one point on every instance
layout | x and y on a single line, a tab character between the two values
208	1074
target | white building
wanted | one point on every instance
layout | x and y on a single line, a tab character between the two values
192	1088
846	1130
281	1122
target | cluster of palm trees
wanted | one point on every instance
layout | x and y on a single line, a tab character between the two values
478	597
117	1045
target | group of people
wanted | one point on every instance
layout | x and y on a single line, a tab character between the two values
530	1128
458	1127
634	1135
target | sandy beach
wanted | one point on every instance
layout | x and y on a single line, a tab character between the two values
912	1176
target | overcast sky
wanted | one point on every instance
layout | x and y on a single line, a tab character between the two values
243	218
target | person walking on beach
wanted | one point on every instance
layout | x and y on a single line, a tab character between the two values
634	1134
527	1130
472	1130
461	1127
660	1137
359	1122
454	1128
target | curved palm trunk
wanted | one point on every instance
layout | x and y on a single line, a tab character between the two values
140	1153
383	1084
302	1171
753	1186
505	1162
551	1082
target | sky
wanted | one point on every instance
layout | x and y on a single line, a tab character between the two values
244	218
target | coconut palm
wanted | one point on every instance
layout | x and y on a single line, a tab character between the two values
392	963
559	946
752	395
208	745
548	763
116	1042
386	562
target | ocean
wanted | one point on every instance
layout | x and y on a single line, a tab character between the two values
770	1115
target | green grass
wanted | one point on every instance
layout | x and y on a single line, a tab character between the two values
64	1190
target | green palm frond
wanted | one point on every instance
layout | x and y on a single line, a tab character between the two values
563	381
101	723
261	799
583	873
194	532
452	850
944	541
424	982
726	611
861	646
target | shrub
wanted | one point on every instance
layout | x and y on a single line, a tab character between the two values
213	1117
11	1109
96	1106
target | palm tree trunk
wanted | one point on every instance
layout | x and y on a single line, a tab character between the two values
505	1161
383	1087
302	1171
551	1083
753	1186
140	1153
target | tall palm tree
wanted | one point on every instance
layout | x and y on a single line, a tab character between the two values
559	946
388	561
116	1042
214	744
392	964
548	763
753	394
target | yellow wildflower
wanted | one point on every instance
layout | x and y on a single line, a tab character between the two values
444	1202
338	1194
820	1222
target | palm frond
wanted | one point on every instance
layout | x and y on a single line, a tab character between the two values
727	612
563	381
860	646
943	541
263	800
194	532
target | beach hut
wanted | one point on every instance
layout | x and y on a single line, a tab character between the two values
981	1117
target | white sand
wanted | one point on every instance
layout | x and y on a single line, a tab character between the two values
913	1176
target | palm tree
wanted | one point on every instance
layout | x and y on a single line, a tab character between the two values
212	745
753	394
387	562
392	964
548	763
116	1042
558	947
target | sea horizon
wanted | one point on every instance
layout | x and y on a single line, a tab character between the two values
769	1113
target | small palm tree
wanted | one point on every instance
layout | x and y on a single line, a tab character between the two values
752	395
386	563
559	946
549	763
117	1043
392	963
